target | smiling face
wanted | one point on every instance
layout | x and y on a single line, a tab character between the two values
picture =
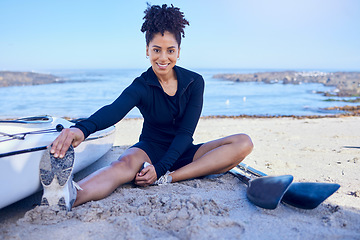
163	52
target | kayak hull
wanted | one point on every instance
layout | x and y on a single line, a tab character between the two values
19	176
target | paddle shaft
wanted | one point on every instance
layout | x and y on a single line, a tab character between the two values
240	176
246	168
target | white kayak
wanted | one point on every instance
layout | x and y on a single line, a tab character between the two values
22	143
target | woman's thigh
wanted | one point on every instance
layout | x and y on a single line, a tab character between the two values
211	145
154	151
186	158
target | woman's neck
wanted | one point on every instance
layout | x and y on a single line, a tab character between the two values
169	83
165	78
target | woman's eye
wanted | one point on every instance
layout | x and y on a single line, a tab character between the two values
171	51
156	50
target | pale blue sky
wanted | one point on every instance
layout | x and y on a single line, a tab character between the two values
283	34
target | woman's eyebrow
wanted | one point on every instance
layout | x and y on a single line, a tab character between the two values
156	46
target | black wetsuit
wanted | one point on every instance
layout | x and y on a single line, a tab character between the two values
169	122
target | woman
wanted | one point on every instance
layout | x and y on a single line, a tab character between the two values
170	98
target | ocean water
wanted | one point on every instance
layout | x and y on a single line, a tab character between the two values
88	90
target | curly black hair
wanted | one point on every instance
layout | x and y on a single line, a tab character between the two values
160	19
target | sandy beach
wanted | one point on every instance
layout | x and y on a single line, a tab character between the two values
216	207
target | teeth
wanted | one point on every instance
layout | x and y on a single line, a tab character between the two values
160	65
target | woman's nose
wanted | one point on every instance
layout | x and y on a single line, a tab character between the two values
163	56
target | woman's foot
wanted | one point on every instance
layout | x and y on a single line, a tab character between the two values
56	179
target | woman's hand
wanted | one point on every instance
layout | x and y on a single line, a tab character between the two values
146	177
67	137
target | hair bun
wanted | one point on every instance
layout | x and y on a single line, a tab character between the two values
160	19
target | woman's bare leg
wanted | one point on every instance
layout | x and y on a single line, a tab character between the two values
103	182
216	157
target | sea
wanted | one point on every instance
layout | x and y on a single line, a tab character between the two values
85	91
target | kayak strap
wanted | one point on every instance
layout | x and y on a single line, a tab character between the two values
21	136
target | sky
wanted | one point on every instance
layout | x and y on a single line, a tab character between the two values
243	34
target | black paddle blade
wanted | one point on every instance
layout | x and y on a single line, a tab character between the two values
308	195
266	192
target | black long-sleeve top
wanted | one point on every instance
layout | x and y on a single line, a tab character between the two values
160	126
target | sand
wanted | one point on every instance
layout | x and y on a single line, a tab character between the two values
216	207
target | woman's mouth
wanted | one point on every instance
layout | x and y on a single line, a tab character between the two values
162	66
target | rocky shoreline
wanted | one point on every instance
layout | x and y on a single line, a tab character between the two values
347	83
8	78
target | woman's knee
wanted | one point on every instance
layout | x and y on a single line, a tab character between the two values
243	143
130	160
123	161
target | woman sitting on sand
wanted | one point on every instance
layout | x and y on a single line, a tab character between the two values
170	99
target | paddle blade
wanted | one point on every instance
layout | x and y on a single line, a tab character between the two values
308	195
266	192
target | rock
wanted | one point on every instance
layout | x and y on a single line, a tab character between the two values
8	79
347	83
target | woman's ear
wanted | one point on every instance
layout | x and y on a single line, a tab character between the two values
147	51
178	56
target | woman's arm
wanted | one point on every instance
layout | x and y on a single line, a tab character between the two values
101	119
114	112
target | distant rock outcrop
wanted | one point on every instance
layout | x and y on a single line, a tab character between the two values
347	83
8	79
